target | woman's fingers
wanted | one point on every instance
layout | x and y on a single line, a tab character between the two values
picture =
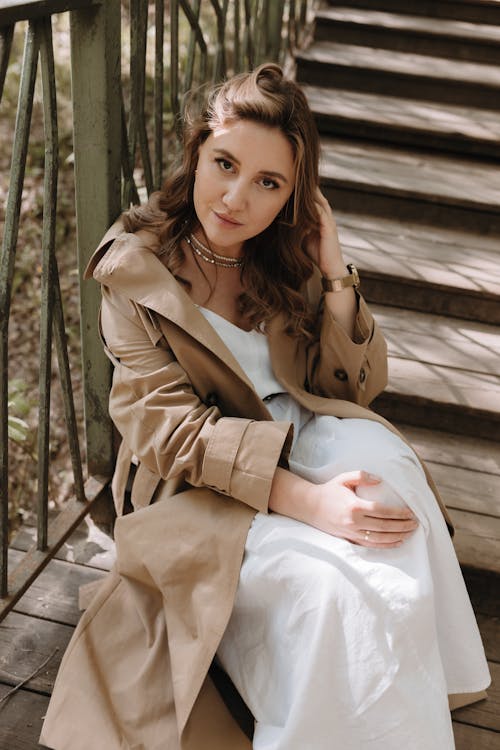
373	509
384	537
353	479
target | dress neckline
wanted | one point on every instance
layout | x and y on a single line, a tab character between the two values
225	320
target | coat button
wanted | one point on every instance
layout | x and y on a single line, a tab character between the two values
211	399
362	375
340	375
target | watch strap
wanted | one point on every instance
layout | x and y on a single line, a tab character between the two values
337	285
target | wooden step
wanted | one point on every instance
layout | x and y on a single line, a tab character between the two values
476	11
413	122
443	373
430	269
467	472
411	185
349	66
457	40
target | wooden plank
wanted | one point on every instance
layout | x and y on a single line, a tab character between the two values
54	594
430	255
480	11
467	490
25	644
401	23
469	737
490	633
477	540
60	528
433	383
429	118
24	10
448	342
454	450
412	175
441	398
403	63
87	545
22	717
485	713
423	240
483	589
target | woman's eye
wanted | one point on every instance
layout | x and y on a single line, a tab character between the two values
269	184
224	164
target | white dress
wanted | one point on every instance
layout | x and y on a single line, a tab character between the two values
334	646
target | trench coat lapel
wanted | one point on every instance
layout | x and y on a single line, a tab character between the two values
132	268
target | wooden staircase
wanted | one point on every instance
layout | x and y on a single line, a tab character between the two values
407	101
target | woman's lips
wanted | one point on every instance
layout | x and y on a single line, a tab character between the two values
227	220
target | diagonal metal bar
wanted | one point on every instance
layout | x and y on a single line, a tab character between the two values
11	229
158	93
195	37
174	64
137	126
60	338
220	54
237	62
130	193
248	39
44	28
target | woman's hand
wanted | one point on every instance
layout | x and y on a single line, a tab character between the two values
334	507
337	510
323	246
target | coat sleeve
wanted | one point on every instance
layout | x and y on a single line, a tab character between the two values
167	425
340	367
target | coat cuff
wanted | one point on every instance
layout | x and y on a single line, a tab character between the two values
241	458
350	351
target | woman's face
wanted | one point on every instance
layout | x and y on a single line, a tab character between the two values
245	175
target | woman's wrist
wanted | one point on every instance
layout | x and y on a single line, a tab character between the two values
293	496
334	270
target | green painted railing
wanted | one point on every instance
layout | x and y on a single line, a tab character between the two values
128	92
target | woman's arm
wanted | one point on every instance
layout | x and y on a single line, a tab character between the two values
348	359
167	425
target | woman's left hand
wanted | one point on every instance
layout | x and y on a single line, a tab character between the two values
323	246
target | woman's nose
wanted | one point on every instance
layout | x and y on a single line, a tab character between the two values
235	196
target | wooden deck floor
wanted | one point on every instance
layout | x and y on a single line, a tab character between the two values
42	623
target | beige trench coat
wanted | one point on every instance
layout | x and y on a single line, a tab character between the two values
135	675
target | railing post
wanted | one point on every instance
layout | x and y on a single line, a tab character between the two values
95	69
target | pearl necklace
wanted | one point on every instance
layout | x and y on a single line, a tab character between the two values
222	261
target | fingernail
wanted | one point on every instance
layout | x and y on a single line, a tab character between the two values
373	477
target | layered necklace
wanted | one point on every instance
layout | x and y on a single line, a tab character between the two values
222	261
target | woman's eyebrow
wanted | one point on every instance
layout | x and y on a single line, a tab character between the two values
231	157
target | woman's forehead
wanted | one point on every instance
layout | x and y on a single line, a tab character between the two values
254	145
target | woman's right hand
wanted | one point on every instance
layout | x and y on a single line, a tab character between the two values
336	509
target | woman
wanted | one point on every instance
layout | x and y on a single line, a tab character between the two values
293	531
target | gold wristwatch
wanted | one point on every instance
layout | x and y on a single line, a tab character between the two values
337	285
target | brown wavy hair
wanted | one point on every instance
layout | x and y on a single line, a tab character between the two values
272	280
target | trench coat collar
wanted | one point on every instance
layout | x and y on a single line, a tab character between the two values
131	266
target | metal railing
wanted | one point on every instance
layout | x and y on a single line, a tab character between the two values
128	93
